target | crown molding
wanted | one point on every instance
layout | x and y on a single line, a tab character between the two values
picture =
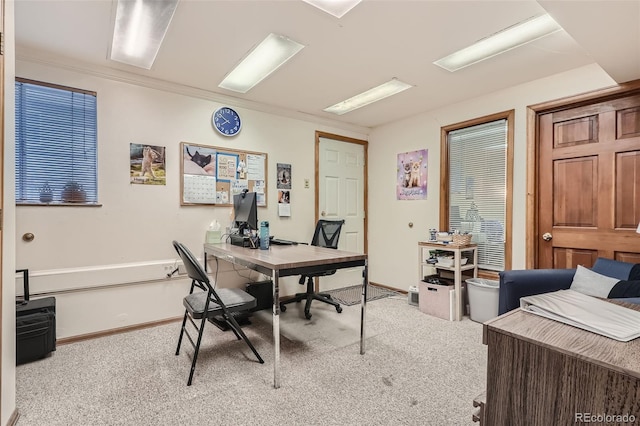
28	55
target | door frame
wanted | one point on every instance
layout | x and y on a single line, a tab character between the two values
533	152
344	139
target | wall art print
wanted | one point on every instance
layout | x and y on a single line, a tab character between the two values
147	164
411	180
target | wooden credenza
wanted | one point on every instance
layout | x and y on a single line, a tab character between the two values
543	372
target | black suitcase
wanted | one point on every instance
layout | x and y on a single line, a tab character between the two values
35	325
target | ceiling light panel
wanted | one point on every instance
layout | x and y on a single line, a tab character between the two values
263	60
337	8
385	90
507	39
139	30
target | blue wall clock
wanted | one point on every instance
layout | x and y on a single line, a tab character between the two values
226	121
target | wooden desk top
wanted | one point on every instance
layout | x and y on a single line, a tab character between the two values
281	257
623	357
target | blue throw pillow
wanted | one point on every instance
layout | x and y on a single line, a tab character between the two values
616	269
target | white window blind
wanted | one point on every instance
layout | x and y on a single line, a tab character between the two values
56	145
477	186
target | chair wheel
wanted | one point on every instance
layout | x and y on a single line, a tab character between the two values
283	308
307	316
338	309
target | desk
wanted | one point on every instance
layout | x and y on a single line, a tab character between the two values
284	261
544	372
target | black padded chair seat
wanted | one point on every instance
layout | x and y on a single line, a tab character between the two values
233	298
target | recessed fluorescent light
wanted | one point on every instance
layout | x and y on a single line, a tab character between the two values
500	42
140	28
337	8
385	90
264	59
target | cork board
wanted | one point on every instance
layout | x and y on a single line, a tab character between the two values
212	175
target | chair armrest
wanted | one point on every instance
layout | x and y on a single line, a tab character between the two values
527	282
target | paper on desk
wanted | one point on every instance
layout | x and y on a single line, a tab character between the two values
586	312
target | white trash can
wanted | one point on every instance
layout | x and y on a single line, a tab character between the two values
483	299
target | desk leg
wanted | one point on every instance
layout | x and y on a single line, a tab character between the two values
457	274
276	329
363	304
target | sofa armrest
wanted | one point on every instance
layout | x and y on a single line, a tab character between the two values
635	300
527	282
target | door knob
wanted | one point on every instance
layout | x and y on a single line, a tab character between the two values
547	236
323	214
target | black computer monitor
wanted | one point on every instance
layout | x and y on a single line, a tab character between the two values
245	209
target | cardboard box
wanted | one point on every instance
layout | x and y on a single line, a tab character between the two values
437	300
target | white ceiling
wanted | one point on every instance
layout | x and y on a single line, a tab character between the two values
374	42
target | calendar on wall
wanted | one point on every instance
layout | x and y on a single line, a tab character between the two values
213	175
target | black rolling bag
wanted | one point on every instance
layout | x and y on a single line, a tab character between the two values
35	325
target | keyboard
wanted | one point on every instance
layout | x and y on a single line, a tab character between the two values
279	242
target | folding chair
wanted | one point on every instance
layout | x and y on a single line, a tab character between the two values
209	304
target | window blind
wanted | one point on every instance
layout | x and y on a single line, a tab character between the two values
477	185
56	145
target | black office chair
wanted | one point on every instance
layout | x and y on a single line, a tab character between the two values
327	234
209	304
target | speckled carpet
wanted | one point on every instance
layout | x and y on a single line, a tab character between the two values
417	370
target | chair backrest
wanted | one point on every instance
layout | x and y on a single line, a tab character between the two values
327	233
191	264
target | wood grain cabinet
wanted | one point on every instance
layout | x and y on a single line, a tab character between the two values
543	372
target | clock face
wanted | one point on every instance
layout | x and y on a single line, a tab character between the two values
226	121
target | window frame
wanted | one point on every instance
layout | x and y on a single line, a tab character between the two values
95	203
509	116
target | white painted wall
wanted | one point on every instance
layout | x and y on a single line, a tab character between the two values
8	364
128	239
391	241
79	247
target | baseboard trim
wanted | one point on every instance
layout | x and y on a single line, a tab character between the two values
88	336
104	333
388	287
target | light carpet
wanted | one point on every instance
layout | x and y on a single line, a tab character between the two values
417	370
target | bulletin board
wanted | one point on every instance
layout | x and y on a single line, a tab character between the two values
212	175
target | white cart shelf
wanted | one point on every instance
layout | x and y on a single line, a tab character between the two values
423	254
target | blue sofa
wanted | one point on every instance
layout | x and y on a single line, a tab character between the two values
519	283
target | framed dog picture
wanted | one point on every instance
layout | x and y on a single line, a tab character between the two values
411	181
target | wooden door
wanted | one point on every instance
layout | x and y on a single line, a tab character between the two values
589	183
341	194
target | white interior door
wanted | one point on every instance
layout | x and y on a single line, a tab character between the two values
341	195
